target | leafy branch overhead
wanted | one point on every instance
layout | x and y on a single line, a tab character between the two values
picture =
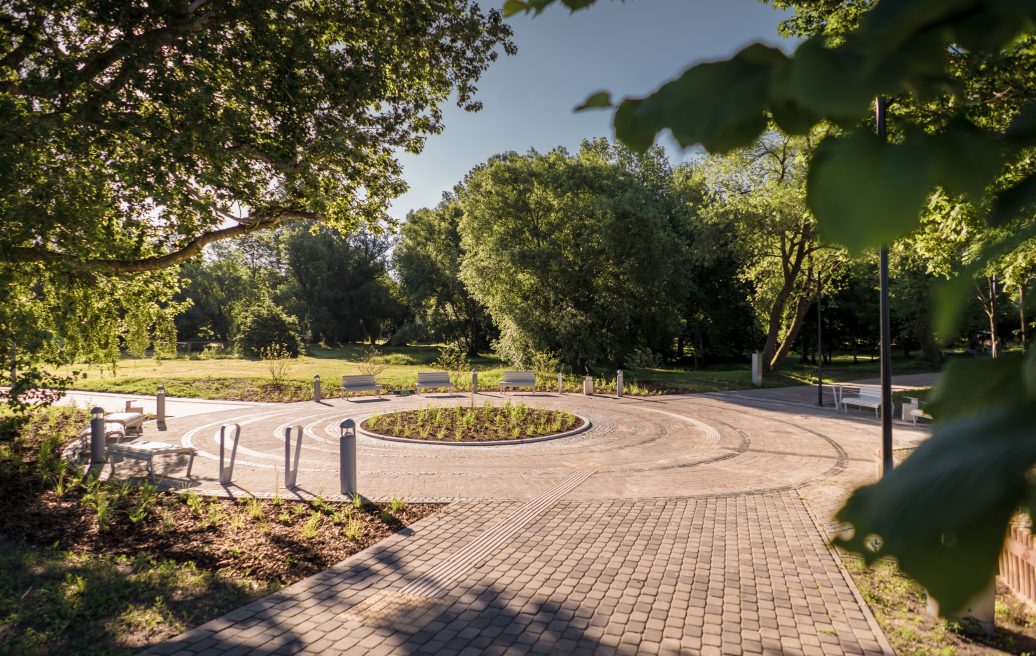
901	48
959	77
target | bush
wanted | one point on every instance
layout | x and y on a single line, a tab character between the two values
405	334
264	326
643	358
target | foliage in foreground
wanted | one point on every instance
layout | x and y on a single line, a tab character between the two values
943	514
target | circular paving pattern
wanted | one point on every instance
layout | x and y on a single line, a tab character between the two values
671	446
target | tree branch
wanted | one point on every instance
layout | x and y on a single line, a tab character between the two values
268	219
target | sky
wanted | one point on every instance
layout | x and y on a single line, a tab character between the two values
629	48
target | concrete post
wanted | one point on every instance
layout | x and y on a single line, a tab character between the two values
316	388
561	383
347	456
160	407
291	471
474	386
757	369
618	383
588	385
97	436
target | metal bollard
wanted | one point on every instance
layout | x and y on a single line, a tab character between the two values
291	473
97	437
561	383
160	407
618	383
347	455
226	472
316	388
474	386
588	385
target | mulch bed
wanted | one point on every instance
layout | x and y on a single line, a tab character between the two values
478	424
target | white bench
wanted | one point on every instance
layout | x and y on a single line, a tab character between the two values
132	420
868	397
359	383
518	380
434	380
147	451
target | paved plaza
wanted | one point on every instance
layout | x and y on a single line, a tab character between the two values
682	524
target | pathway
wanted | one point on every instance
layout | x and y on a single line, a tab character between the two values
678	524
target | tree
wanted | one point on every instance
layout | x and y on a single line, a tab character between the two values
427	261
759	194
573	255
337	287
264	326
943	512
133	134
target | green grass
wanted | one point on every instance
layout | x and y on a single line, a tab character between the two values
249	379
68	603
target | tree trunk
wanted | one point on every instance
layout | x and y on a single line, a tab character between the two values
1021	313
994	348
793	333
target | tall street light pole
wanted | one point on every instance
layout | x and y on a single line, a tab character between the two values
886	351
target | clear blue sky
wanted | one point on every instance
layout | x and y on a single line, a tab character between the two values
628	48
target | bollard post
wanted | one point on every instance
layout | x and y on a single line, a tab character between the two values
618	383
316	388
226	472
474	386
291	472
757	369
561	383
588	385
97	437
160	407
347	456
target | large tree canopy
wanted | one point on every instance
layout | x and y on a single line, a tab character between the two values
134	133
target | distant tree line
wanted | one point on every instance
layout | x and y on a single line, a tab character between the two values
603	257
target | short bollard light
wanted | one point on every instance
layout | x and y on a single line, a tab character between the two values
474	386
588	385
561	383
316	388
160	407
618	383
97	436
347	456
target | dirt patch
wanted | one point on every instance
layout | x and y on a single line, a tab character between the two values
511	421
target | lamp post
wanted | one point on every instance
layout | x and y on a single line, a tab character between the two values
886	350
820	348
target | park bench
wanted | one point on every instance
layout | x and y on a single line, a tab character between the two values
518	380
869	396
146	451
132	420
434	380
359	383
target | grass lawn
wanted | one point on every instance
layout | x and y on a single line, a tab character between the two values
250	379
899	605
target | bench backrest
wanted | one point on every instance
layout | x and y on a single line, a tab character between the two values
433	378
357	380
518	378
870	392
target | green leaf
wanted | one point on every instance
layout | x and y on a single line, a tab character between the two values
787	113
1014	202
721	105
968	386
829	82
943	512
964	159
596	101
866	193
512	7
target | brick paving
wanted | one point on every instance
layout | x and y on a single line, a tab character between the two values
676	525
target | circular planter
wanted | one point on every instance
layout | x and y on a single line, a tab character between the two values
523	440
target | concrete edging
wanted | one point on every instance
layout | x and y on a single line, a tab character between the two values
587	424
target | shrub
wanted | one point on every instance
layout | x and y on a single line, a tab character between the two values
405	334
453	359
371	362
264	326
643	358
